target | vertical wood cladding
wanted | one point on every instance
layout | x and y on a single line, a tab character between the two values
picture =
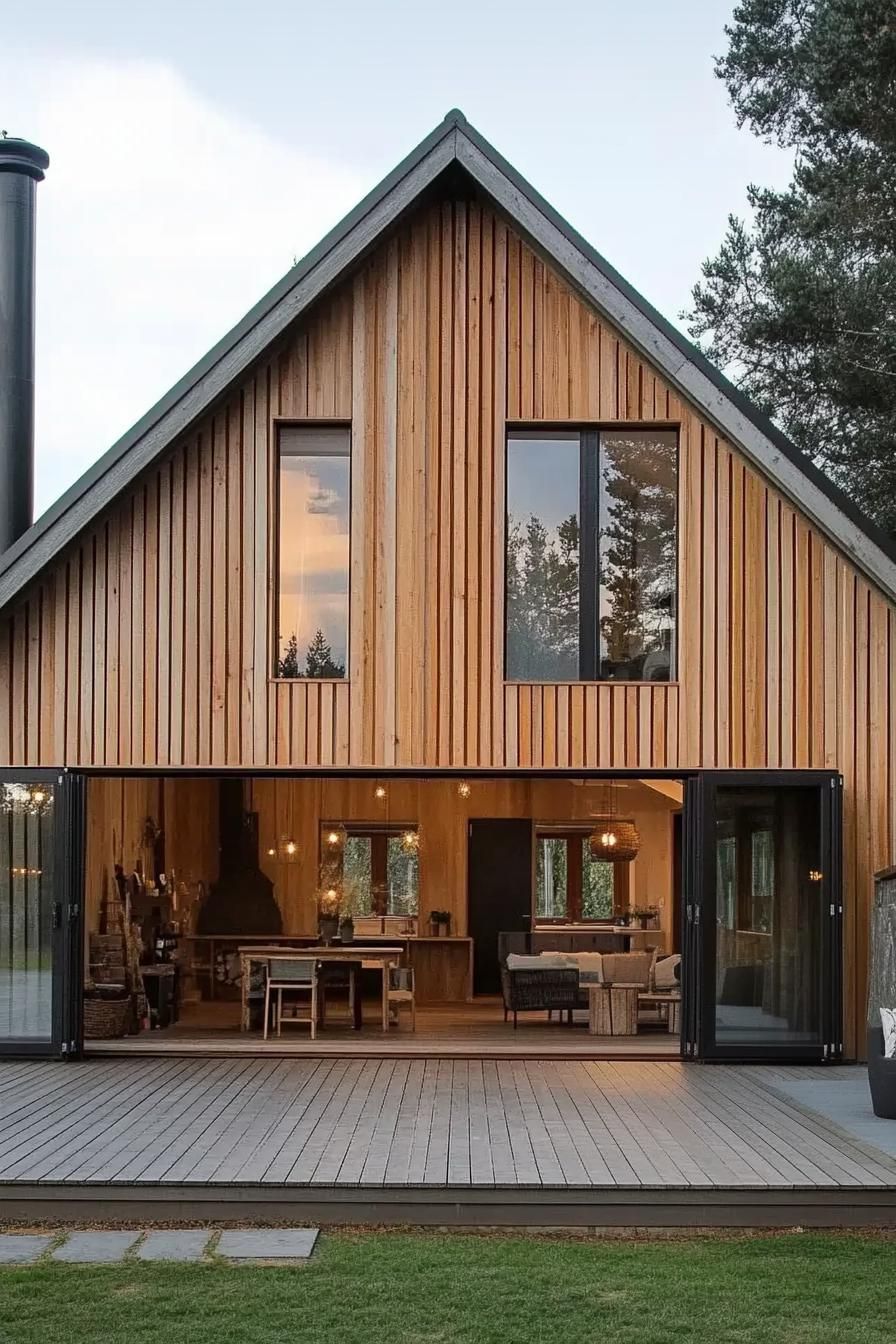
149	643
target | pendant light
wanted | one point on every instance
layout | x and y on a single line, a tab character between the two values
615	839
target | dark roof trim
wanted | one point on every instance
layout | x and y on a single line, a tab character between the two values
682	362
226	361
455	141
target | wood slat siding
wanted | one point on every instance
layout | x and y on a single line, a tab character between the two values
150	642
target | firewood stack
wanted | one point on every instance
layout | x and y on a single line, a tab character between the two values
107	962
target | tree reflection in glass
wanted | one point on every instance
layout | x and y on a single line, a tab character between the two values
638	497
542	563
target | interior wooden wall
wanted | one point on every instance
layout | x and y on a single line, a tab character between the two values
186	810
296	808
151	643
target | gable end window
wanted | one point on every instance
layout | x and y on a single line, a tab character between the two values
591	555
314	510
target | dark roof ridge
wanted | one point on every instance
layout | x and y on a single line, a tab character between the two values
454	141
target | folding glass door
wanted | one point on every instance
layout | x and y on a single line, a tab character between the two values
762	916
41	826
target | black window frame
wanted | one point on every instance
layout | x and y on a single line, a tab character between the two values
589	541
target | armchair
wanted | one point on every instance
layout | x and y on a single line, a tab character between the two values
534	991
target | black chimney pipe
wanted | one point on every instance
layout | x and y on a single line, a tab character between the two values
22	166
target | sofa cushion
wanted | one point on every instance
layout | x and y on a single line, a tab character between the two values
553	961
664	972
631	968
590	966
888	1022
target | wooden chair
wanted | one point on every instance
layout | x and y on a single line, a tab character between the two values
401	990
294	975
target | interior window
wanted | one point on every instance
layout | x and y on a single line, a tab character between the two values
378	869
569	885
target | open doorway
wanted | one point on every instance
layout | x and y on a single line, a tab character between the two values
212	878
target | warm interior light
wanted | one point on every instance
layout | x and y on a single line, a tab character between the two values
608	839
410	841
815	875
463	789
291	847
333	838
379	791
272	853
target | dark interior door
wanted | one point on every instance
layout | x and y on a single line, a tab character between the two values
499	892
41	862
762	916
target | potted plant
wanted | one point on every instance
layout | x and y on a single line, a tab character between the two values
346	928
328	902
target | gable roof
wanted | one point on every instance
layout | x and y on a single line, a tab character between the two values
455	144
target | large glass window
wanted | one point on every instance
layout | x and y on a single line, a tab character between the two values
27	896
312	602
591	555
542	609
570	886
380	869
770	914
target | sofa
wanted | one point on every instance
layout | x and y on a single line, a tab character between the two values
558	981
539	984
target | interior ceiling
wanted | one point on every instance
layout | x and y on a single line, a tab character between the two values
611	794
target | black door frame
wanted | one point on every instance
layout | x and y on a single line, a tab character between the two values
698	918
68	900
69	840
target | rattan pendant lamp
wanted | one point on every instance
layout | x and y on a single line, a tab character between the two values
615	839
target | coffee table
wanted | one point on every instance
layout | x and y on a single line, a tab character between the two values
613	1009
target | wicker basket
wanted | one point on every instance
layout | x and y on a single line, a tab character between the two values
106	1019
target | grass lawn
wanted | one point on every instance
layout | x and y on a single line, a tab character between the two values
432	1289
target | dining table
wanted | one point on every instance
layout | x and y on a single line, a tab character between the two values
380	959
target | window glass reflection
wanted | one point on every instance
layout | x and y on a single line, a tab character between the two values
542	561
314	553
26	911
638	494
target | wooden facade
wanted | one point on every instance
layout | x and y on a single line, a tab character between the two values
150	643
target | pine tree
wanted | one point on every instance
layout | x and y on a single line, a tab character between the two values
288	665
543	599
319	659
798	303
637	545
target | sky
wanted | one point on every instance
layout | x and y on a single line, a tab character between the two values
198	149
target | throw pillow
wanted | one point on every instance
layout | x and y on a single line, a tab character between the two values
664	972
888	1022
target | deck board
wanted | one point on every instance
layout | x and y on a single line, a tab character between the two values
405	1122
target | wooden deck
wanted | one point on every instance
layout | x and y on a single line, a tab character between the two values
412	1140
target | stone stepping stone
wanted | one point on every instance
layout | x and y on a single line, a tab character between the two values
187	1243
22	1248
95	1248
268	1243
